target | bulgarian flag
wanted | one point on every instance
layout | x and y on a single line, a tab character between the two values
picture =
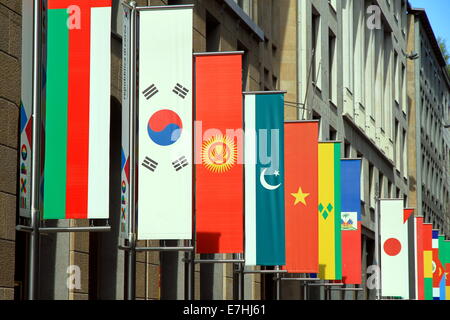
76	182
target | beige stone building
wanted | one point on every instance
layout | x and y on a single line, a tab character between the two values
344	63
348	63
428	137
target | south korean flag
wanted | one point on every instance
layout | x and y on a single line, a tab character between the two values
165	124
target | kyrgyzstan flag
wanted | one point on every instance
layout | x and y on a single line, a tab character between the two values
219	153
77	115
351	221
301	192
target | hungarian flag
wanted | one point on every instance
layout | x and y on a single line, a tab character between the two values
301	192
394	249
419	261
77	114
165	124
351	221
264	179
444	257
219	153
427	235
330	244
438	270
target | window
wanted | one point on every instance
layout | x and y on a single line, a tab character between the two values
332	72
396	79
212	33
405	154
241	47
333	134
316	50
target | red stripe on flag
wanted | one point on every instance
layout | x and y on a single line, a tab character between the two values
419	256
351	256
301	196
64	4
78	117
219	194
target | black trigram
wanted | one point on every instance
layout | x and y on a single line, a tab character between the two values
180	163
150	164
180	90
150	91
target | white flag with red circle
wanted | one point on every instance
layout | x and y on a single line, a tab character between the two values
394	248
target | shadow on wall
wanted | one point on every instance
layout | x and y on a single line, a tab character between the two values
105	260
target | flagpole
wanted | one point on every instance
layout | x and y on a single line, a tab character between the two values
33	244
377	245
131	253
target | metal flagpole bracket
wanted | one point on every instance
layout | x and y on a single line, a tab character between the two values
347	289
327	284
219	261
300	279
264	271
143	249
75	229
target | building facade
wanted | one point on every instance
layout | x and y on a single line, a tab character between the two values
428	139
348	63
345	66
219	25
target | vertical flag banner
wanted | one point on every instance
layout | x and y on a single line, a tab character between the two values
411	224
419	262
26	121
76	182
125	151
218	153
444	257
438	270
264	175
351	221
330	246
427	234
301	192
394	249
165	124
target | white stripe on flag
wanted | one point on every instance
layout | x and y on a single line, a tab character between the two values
99	113
250	179
165	170
436	292
435	243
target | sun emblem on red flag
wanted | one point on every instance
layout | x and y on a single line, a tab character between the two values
219	153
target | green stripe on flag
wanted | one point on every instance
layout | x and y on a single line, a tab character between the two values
56	115
428	284
337	211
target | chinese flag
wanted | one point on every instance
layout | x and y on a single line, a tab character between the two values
218	153
301	189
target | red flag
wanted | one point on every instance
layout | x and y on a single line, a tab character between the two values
219	164
301	175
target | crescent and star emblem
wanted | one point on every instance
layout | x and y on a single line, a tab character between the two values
264	183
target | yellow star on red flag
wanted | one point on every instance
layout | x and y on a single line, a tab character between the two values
300	196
